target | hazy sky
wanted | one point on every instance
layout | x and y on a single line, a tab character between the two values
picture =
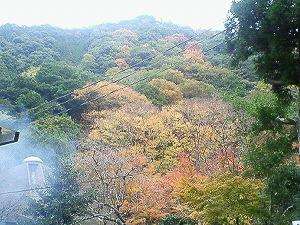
79	13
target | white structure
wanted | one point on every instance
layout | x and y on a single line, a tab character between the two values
29	174
35	171
32	159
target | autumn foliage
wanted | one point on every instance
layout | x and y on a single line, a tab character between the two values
185	142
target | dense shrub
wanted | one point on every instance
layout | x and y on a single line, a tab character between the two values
177	220
194	88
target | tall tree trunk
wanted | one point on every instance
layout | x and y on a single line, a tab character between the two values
298	124
297	200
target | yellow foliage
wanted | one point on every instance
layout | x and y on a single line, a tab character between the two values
106	95
223	198
112	72
194	88
168	88
141	134
31	72
174	76
195	127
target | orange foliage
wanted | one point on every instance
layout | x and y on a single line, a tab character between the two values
193	53
178	144
125	33
152	196
121	63
125	49
211	130
205	130
176	37
108	95
168	88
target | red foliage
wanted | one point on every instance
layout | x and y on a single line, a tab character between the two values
225	159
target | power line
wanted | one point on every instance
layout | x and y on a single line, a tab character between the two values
69	93
96	82
124	70
25	190
136	82
65	189
88	182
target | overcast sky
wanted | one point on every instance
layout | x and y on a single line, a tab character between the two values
82	13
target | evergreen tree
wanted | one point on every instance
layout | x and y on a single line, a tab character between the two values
269	30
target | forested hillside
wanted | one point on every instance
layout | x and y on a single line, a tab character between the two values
41	63
155	126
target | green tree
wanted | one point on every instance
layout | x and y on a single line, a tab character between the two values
29	100
58	132
153	94
56	79
63	203
271	151
269	31
226	199
177	220
193	88
174	76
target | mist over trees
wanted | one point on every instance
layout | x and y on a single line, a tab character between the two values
141	134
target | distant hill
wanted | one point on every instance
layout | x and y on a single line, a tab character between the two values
40	63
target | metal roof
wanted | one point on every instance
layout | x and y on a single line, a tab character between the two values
32	159
8	136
